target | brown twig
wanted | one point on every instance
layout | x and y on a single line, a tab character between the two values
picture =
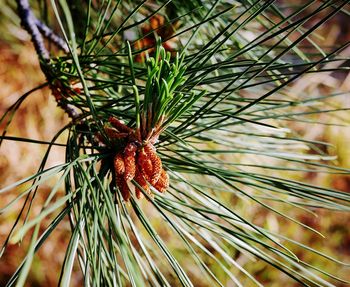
28	21
37	30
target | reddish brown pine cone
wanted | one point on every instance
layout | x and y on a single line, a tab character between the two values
163	182
142	182
123	187
130	149
129	161
119	166
156	163
145	165
142	164
119	125
113	134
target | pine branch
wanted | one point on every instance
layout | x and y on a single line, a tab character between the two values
243	60
50	35
37	30
28	21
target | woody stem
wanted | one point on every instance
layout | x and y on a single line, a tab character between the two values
28	21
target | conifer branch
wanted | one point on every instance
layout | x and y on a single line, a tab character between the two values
50	35
28	21
37	30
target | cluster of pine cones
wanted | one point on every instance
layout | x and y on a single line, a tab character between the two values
144	166
138	162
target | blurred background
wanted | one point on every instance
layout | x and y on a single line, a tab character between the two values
38	118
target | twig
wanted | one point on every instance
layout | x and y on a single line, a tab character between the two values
28	21
70	111
37	30
49	34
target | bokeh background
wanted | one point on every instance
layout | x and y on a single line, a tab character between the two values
39	118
